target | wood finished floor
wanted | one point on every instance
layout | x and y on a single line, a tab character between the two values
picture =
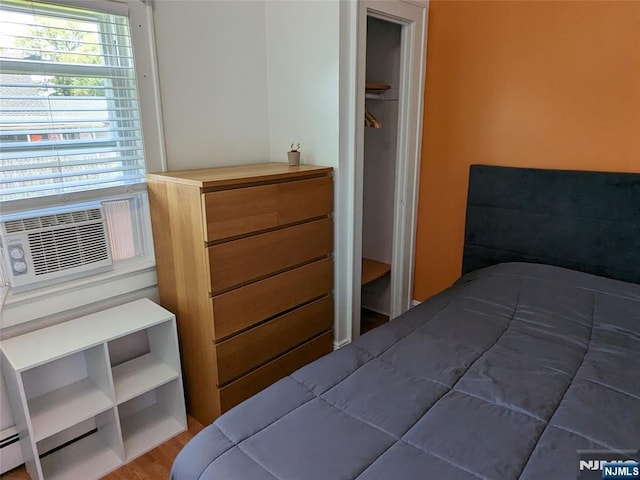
154	465
370	320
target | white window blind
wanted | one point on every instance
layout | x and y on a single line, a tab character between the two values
69	113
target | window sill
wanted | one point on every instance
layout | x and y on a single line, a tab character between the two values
125	278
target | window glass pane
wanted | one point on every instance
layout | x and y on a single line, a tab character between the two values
69	114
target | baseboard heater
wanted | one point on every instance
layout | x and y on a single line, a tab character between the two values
10	453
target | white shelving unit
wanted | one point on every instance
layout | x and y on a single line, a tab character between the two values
93	393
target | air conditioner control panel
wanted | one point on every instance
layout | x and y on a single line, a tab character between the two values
17	260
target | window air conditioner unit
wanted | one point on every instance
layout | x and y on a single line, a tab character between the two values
42	247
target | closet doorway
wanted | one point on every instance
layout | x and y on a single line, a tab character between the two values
390	82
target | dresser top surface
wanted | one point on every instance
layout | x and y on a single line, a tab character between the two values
238	174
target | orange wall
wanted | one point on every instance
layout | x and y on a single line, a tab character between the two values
535	84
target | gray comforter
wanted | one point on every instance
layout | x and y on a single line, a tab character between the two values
503	376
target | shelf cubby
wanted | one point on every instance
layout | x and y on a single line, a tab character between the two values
150	416
143	361
139	375
86	391
94	454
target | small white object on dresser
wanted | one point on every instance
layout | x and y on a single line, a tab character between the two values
113	390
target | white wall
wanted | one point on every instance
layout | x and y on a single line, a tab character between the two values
241	80
212	74
302	76
379	182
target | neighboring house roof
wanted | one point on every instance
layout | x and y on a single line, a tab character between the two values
48	108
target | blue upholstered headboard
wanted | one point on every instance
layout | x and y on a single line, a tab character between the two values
586	221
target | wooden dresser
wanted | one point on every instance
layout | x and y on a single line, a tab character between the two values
244	260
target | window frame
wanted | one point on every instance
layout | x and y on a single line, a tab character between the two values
131	275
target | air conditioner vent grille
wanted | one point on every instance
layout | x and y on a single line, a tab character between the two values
70	247
55	220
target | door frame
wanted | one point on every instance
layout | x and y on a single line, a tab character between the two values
412	15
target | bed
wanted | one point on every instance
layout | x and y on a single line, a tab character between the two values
531	356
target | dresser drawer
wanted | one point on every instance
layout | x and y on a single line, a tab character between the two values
252	383
230	213
245	306
254	347
240	261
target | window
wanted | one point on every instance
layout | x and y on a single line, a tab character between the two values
69	117
70	127
71	131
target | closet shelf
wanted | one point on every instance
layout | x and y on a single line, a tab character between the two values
372	270
380	91
376	87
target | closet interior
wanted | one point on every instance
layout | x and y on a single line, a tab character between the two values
379	172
